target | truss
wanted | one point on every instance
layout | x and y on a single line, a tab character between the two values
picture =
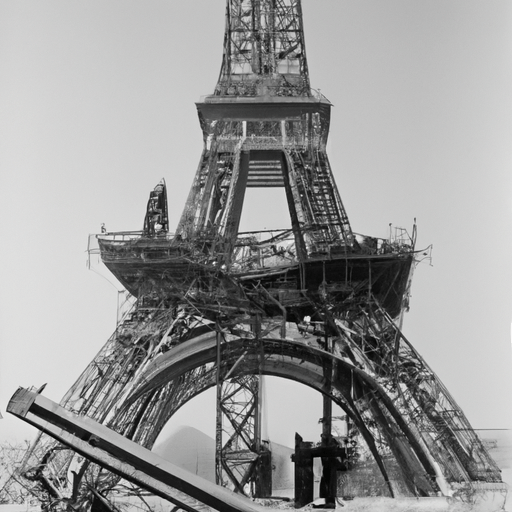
316	303
264	50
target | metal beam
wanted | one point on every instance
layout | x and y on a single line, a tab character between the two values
124	457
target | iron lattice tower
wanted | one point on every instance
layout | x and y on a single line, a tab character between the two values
216	307
264	127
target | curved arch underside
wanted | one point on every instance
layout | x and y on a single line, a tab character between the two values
159	359
189	369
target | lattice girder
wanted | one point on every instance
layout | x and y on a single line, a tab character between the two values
264	50
263	127
359	384
294	137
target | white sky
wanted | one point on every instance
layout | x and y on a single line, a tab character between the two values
97	104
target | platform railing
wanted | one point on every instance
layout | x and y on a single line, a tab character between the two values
252	250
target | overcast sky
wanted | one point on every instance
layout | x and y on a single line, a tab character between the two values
97	105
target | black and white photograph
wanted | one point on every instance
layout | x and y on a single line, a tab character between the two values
256	255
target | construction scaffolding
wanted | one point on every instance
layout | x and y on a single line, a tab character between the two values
317	303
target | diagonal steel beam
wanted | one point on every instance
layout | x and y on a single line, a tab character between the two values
126	458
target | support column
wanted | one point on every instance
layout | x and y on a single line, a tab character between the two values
304	481
329	480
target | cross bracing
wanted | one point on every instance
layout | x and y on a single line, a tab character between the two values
264	51
316	303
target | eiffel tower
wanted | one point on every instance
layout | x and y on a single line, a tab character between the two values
315	303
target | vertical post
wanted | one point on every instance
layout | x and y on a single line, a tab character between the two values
304	481
263	468
327	419
283	133
218	425
329	480
327	402
258	491
257	412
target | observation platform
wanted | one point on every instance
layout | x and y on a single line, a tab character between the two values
169	265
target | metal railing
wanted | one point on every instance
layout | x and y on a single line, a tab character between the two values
252	250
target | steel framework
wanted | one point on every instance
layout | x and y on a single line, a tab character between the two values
316	303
